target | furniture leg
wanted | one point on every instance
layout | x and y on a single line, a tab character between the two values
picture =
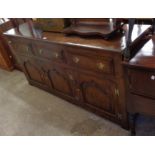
132	118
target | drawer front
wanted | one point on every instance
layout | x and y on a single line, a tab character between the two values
140	104
93	63
142	82
21	46
49	51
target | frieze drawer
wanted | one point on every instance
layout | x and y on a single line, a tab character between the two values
21	46
92	63
52	52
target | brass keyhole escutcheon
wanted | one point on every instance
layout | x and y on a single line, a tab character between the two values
100	65
76	59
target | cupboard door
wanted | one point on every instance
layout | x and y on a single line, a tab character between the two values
60	81
32	69
99	93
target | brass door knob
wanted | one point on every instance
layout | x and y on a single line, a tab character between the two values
10	56
152	77
100	65
56	55
76	59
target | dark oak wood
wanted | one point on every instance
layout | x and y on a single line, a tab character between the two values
85	71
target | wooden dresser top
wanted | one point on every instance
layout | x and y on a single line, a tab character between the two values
145	57
117	43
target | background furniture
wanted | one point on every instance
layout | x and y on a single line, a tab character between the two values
51	24
140	75
93	27
141	83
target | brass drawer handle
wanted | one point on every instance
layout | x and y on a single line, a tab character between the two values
152	77
76	59
27	48
100	65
